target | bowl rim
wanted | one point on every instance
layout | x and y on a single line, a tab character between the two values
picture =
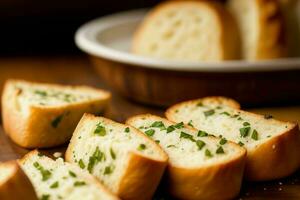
86	40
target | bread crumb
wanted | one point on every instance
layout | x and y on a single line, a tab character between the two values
57	154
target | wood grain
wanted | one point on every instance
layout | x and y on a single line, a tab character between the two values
77	70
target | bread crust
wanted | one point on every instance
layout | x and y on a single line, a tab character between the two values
34	130
142	174
206	182
229	39
278	157
17	186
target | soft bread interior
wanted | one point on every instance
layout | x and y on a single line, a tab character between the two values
181	31
6	171
182	144
47	95
56	180
242	127
103	148
247	17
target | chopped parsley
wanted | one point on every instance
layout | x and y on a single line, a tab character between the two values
220	150
150	132
100	130
54	185
112	154
171	145
223	141
170	129
240	143
45	197
244	131
81	164
108	170
186	136
72	174
199	104
179	125
158	124
246	124
46	174
209	113
208	153
157	141
55	122
225	113
127	130
200	144
202	134
97	157
142	147
41	93
190	123
79	183
254	135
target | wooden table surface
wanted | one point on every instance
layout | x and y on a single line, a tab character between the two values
77	70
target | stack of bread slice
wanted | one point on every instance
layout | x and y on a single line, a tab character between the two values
272	146
200	166
55	179
45	115
121	157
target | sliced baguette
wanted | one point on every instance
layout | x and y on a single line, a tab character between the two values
14	184
45	115
192	172
188	30
262	28
121	157
272	146
59	180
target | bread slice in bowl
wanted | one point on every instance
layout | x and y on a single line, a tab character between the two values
261	27
121	157
45	115
14	184
56	179
273	146
200	166
188	31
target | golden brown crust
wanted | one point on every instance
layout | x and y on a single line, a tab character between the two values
35	129
206	182
271	41
229	43
17	186
142	175
277	158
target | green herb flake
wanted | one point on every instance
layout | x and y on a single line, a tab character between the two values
225	113
209	113
79	183
97	157
170	129
268	136
55	122
41	93
100	130
157	141
150	132
179	125
202	134
240	143
254	135
45	197
190	123
158	124
220	150
171	145
200	144
244	131
40	154
239	118
223	141
81	164
246	124
108	170
199	104
186	136
127	130
208	153
141	147
235	116
46	174
72	174
54	185
112	154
